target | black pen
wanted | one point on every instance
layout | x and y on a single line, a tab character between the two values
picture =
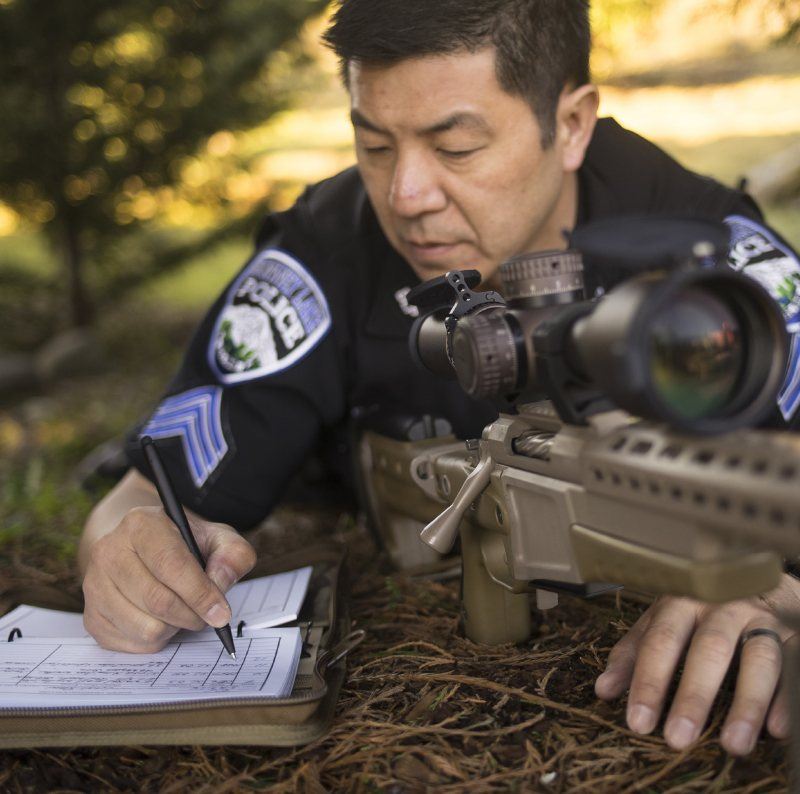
174	510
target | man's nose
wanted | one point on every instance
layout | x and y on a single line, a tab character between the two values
415	188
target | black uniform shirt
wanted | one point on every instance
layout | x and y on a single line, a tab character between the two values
316	325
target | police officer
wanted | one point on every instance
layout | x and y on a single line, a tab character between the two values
476	139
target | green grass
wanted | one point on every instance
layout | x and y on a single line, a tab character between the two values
729	159
202	278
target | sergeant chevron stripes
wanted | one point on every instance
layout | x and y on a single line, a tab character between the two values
196	418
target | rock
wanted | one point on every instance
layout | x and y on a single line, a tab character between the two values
74	352
17	373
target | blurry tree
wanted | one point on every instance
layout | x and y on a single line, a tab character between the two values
102	106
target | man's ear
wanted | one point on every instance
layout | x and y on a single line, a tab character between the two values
575	120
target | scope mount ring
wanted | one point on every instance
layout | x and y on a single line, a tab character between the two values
466	301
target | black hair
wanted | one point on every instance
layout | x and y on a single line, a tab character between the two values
541	45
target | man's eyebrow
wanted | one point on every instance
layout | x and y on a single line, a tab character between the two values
360	120
458	120
463	119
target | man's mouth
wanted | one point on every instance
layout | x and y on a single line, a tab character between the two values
431	249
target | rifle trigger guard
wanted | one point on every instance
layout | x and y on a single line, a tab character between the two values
441	533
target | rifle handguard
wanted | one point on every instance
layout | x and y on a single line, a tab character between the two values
441	533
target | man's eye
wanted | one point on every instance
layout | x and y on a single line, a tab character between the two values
376	149
457	154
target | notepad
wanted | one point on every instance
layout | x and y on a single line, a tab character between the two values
269	600
51	662
76	672
256	604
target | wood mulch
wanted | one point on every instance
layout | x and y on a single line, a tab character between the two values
425	709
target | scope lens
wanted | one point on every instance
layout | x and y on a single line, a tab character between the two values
697	354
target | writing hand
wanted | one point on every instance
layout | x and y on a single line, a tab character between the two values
142	583
647	657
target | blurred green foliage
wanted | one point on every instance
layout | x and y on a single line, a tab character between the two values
105	108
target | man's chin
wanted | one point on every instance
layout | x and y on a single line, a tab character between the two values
428	264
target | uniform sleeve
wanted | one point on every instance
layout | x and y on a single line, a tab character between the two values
261	377
765	256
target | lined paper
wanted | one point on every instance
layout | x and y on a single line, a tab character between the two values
70	672
269	600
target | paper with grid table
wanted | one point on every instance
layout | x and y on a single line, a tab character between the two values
49	662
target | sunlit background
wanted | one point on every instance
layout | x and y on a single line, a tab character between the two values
140	145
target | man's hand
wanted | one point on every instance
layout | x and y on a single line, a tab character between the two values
646	659
142	583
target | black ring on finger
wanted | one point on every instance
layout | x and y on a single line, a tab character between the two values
760	632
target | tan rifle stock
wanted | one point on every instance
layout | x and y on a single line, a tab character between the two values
618	501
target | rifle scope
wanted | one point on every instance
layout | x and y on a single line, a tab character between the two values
700	347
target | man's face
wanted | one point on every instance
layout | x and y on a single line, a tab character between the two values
453	164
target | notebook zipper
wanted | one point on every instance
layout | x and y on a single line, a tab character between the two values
156	708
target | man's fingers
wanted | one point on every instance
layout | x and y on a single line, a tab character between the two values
142	582
135	581
172	563
660	650
759	672
614	680
118	624
707	661
162	551
778	720
228	555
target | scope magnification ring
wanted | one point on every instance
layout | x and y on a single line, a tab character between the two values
485	355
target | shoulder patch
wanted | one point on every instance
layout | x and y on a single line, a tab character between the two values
274	315
759	253
196	418
789	398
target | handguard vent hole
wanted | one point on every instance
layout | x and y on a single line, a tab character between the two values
635	484
760	467
672	451
733	462
641	447
699	498
655	488
724	504
676	493
619	444
705	456
598	475
787	472
616	479
749	510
